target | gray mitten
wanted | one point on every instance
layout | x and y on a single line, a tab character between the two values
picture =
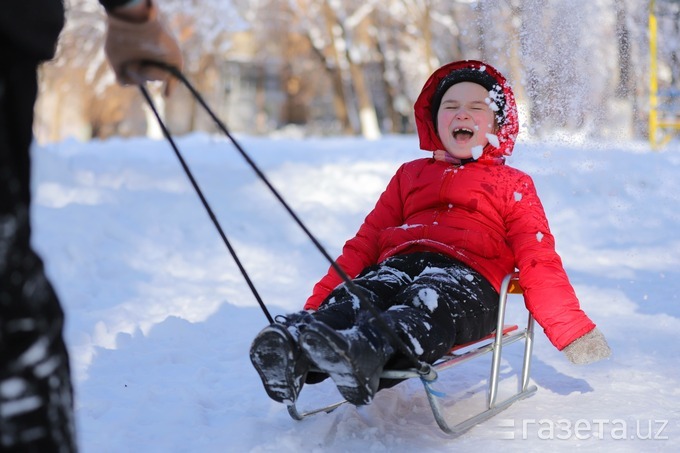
589	348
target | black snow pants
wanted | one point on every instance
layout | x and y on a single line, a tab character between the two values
432	302
36	397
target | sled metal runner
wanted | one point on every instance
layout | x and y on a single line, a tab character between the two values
504	335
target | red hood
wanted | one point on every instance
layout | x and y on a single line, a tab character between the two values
429	140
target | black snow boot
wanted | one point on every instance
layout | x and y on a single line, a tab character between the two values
353	358
278	359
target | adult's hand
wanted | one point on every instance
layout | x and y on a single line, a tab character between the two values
136	34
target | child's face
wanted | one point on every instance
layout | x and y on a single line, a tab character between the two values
464	118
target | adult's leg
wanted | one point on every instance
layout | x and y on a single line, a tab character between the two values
36	397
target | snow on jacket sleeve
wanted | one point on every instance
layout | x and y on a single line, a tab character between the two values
548	294
363	249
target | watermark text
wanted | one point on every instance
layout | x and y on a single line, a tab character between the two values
583	429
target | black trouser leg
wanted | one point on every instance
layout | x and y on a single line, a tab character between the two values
453	305
377	284
36	397
432	302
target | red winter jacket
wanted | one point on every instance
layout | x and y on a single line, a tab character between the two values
484	213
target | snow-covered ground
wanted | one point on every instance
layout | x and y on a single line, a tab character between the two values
159	320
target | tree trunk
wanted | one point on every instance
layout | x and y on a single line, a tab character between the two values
387	65
335	32
426	26
338	92
368	119
623	39
522	99
153	129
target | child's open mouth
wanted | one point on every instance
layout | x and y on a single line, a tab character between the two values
462	134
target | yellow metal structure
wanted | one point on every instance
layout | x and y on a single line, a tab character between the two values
661	126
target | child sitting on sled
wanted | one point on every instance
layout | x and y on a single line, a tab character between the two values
431	255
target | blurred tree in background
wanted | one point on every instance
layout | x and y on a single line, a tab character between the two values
356	66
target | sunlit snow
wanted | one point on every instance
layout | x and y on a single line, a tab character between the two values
159	319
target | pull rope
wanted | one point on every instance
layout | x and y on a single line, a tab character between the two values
421	367
168	136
